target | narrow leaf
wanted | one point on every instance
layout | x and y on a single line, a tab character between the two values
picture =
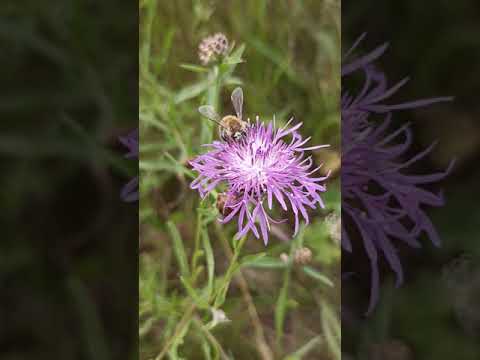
317	276
207	246
194	68
191	91
331	330
178	249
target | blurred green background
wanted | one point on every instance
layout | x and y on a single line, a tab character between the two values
68	248
290	66
435	315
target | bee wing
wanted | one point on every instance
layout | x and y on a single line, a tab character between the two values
237	101
209	112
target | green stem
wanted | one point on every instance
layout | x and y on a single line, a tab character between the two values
220	295
214	90
213	95
281	305
263	348
210	338
197	242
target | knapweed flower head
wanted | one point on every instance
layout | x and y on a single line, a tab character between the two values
129	192
380	200
258	169
212	47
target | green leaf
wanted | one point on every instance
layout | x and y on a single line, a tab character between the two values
146	326
207	351
267	262
282	301
167	164
331	330
236	56
227	67
194	68
276	57
199	300
317	276
233	80
210	261
281	306
327	45
232	269
178	249
191	91
150	120
305	349
252	259
209	213
179	340
165	50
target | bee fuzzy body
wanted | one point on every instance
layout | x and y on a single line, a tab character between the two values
232	128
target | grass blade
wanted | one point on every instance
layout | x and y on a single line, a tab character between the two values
178	249
207	246
317	276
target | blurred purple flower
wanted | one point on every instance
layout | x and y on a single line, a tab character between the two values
381	202
129	192
260	167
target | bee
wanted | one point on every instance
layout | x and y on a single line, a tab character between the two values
230	127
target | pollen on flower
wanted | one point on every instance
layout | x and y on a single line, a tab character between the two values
259	169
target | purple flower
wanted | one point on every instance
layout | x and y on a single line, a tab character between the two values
258	168
129	192
381	202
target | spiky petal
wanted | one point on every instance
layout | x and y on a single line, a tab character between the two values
378	196
129	192
261	169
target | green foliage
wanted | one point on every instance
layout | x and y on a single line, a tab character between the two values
203	294
69	73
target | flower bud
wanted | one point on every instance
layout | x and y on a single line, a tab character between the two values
302	256
211	47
